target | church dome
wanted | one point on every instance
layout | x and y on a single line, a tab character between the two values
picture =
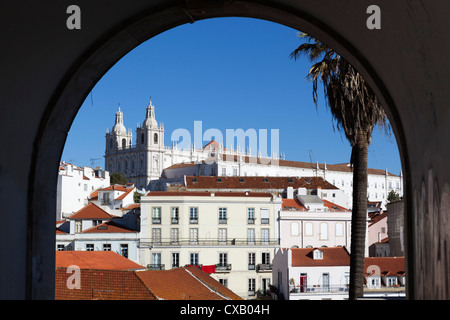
118	125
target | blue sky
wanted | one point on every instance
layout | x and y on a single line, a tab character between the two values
229	73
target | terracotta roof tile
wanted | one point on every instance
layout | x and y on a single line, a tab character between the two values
259	182
96	284
91	211
333	256
109	227
107	260
188	283
206	194
387	265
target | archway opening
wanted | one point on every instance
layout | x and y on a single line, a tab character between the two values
80	95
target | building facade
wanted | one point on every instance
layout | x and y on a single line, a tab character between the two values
232	234
312	273
75	185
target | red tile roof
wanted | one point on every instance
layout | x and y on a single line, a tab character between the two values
91	211
96	284
206	194
333	206
333	256
252	182
107	260
293	204
109	227
188	283
386	265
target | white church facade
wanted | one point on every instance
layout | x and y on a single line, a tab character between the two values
150	165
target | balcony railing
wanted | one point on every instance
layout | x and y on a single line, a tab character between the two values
223	267
222	220
157	266
208	242
264	267
319	289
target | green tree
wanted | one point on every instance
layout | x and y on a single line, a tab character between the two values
118	178
393	196
355	111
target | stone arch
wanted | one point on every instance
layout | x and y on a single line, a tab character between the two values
32	274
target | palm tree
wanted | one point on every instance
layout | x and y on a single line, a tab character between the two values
355	111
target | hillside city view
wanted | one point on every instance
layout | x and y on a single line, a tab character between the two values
207	165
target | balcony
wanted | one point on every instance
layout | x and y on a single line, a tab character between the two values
207	242
157	266
174	220
264	267
222	220
319	289
251	221
223	267
156	220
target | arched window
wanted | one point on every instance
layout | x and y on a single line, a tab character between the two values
155	138
124	143
142	138
110	143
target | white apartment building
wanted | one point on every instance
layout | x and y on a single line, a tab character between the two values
75	184
232	235
312	273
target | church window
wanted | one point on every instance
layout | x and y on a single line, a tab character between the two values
155	138
142	138
110	143
124	143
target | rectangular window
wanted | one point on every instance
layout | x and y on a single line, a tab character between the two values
78	226
222	236
193	235
222	215
124	250
193	259
235	172
224	282
174	215
175	259
251	261
251	215
89	247
265	257
174	235
326	282
106	247
224	171
156	236
60	247
264	216
156	260
251	236
264	236
156	215
223	259
251	286
193	215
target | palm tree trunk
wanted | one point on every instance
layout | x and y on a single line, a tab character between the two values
359	216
